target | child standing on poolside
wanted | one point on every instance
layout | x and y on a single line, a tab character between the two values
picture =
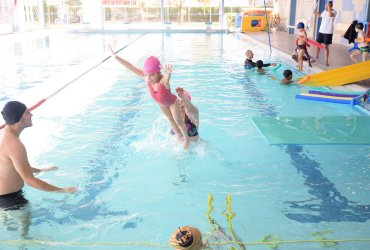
363	46
159	88
301	46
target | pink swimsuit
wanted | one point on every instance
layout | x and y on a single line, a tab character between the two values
162	96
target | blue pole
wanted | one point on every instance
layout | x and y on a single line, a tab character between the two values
267	27
222	13
367	17
162	12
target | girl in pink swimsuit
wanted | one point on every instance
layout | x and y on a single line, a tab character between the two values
159	89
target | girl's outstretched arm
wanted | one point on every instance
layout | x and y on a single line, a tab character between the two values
167	71
126	64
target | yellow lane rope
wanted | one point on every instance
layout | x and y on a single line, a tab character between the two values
209	211
153	244
229	216
228	213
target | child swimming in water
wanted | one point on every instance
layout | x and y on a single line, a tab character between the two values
159	88
288	75
259	65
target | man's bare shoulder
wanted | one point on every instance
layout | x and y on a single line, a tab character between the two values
9	143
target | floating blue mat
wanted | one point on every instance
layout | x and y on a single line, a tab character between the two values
314	130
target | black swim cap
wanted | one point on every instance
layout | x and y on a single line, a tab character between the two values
13	111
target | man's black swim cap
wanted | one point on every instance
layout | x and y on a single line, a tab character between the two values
13	111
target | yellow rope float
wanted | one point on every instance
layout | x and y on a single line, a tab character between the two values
153	244
228	213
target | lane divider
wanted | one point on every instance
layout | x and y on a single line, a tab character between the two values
156	245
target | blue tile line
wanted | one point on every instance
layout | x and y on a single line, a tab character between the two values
99	168
330	204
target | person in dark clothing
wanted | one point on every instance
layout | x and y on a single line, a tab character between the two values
351	33
351	36
248	64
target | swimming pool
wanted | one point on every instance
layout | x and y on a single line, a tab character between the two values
137	185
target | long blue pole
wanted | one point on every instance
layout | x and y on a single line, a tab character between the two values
267	27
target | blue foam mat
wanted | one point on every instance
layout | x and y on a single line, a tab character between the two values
314	130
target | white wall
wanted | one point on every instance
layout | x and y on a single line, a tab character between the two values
18	20
283	10
92	13
304	14
23	15
346	17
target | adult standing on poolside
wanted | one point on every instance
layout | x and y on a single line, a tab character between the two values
326	29
15	170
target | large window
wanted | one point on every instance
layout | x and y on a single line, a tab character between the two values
174	11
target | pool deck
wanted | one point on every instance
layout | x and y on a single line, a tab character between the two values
338	54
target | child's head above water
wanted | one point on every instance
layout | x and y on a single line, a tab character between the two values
288	74
186	238
259	64
152	65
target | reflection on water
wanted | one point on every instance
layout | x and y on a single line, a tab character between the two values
16	221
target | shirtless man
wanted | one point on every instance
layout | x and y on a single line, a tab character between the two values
15	170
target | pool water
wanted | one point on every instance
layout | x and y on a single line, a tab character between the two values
136	183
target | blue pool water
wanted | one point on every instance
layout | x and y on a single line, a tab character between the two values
137	185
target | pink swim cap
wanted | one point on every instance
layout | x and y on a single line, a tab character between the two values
187	95
152	65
